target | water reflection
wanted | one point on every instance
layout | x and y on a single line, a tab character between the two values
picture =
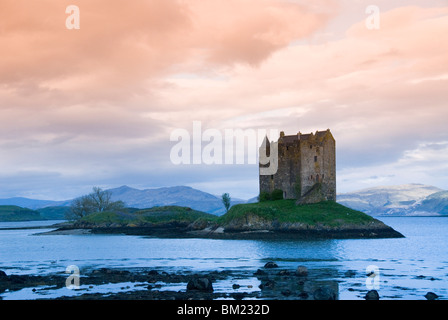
298	250
409	267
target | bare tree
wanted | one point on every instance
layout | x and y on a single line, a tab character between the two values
97	201
80	207
100	199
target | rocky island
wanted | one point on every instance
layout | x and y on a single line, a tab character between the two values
281	219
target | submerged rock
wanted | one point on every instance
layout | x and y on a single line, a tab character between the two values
259	272
270	284
270	264
324	293
350	273
200	284
3	275
302	271
372	295
431	296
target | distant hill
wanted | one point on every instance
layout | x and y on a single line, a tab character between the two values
31	203
171	196
252	200
403	200
16	213
54	212
135	198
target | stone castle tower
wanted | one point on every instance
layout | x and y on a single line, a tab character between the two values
306	167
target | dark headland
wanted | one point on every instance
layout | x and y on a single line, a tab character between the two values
281	219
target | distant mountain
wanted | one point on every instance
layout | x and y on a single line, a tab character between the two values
434	203
252	200
171	196
31	203
136	198
408	199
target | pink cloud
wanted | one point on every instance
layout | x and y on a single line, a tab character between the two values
136	70
121	45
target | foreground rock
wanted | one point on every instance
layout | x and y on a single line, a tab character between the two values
431	296
141	284
270	265
302	271
287	284
18	282
328	292
154	284
203	284
372	295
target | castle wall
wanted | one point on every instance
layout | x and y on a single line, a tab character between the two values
289	170
301	164
311	164
329	169
319	166
287	174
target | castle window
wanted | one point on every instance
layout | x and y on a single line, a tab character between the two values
311	177
311	146
272	177
315	158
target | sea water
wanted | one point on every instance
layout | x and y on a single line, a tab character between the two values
406	268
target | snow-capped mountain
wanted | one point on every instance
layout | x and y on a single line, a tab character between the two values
407	199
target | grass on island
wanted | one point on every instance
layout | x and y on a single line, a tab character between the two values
153	215
327	213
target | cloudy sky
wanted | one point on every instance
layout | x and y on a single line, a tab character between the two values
96	106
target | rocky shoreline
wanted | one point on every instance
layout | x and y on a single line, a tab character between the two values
212	231
270	283
267	283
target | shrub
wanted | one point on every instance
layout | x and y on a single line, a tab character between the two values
277	194
264	196
226	201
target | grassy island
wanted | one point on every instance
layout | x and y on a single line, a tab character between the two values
155	215
327	213
270	219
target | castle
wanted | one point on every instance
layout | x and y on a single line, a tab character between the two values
306	167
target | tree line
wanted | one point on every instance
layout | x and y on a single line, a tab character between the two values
101	201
